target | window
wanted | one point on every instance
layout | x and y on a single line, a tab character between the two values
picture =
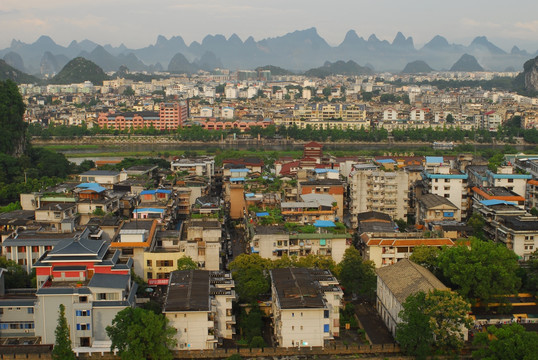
83	327
326	314
82	299
30	310
326	328
149	263
4	326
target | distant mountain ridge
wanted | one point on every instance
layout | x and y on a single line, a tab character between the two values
297	51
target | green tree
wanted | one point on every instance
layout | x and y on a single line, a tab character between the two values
186	263
128	91
62	346
251	322
506	343
16	276
530	274
477	222
481	271
449	119
327	91
426	256
141	334
13	133
250	275
356	275
436	319
414	332
257	342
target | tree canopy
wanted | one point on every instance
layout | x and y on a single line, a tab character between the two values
13	134
141	334
186	263
506	343
62	346
250	275
435	320
481	271
356	275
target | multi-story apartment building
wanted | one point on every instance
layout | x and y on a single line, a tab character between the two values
198	304
201	166
170	117
389	248
332	187
518	233
448	183
93	284
312	207
378	190
306	306
505	177
272	242
202	242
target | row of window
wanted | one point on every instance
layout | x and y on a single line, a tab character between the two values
16	326
22	249
30	310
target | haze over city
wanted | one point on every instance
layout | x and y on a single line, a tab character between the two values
136	25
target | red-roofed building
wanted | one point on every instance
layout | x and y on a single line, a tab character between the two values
393	247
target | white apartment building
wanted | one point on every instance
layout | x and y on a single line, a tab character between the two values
448	183
306	306
198	304
505	177
378	190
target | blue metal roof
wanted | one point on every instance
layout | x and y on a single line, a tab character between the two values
508	176
386	161
324	223
496	202
249	195
91	186
147	192
260	214
434	159
155	210
445	176
239	170
237	179
163	191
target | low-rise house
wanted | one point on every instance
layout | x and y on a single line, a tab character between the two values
105	178
432	207
306	307
396	283
312	207
198	304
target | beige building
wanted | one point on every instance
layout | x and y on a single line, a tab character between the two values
272	242
202	242
433	207
378	190
306	307
395	283
198	304
389	248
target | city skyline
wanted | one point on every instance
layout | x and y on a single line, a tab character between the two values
130	23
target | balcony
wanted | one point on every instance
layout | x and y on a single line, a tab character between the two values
231	319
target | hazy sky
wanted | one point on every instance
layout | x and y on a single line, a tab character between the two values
137	23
